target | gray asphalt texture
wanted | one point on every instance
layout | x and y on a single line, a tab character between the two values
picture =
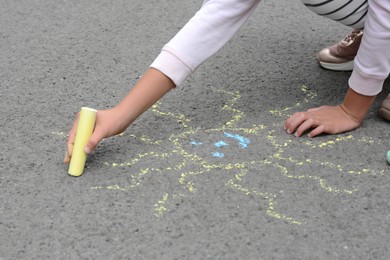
209	172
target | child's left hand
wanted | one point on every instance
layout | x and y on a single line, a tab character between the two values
324	119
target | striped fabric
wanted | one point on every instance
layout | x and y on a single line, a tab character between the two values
348	12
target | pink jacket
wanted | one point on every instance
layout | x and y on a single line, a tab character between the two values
218	20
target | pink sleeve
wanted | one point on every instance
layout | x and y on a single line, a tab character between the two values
372	63
210	29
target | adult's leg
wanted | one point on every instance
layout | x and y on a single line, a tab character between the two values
348	12
352	13
340	56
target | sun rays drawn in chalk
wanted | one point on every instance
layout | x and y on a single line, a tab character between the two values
202	157
229	148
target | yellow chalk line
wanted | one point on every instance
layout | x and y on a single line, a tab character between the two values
237	115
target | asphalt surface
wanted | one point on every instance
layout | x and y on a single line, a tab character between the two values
208	173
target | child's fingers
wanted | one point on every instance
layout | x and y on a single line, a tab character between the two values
70	141
314	109
316	131
94	140
294	121
304	126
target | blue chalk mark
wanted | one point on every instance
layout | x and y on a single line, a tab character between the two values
218	154
195	143
220	144
243	141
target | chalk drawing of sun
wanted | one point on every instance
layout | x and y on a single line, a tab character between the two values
229	148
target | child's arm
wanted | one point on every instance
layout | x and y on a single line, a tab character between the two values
371	68
210	28
149	89
331	119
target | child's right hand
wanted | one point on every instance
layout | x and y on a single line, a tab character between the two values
107	124
148	90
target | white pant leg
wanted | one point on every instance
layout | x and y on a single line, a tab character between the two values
348	12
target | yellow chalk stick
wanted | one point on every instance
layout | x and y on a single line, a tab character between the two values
84	131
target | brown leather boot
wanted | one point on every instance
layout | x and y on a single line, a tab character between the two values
384	109
340	56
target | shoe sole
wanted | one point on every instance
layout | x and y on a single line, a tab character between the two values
384	113
346	66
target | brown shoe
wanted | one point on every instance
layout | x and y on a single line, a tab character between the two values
384	109
340	56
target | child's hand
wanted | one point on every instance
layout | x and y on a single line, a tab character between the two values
324	119
148	90
107	124
331	119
